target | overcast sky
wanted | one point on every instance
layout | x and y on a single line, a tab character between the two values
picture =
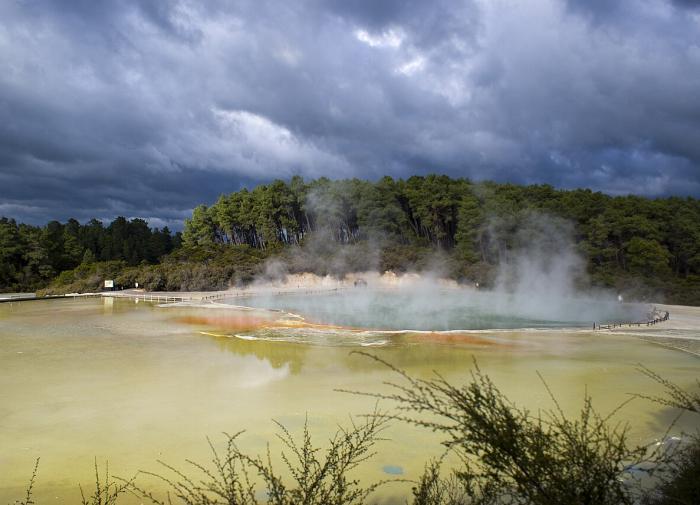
147	108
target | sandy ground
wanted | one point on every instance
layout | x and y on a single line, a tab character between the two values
681	331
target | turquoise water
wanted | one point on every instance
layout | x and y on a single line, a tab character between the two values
443	310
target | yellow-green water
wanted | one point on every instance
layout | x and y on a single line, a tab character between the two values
133	383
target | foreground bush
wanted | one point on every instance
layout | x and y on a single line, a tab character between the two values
511	455
318	477
681	484
680	478
85	278
187	269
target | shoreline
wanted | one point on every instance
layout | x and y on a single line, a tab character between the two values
681	332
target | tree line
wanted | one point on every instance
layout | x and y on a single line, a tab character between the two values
644	246
30	256
476	222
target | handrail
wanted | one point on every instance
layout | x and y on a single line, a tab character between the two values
650	322
152	297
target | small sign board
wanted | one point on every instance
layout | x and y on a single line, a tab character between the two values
109	283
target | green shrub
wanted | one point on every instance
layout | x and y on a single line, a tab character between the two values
511	455
317	477
680	476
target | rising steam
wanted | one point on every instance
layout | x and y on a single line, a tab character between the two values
541	281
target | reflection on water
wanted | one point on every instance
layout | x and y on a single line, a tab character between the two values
81	379
278	355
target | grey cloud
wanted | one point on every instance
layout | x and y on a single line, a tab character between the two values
428	23
149	108
693	4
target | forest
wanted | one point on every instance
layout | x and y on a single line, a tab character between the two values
33	256
629	242
649	248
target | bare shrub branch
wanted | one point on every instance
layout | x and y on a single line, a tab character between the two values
318	476
512	455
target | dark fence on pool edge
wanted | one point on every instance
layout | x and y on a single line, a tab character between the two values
649	322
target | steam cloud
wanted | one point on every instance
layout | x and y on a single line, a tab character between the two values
541	281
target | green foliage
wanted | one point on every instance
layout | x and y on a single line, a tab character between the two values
648	257
31	256
88	257
198	268
28	499
680	478
645	248
317	476
674	396
107	491
85	278
200	229
510	455
434	489
469	229
682	483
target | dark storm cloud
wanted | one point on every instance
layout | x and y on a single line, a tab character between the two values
693	4
148	108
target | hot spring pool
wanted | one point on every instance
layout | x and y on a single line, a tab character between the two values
443	310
